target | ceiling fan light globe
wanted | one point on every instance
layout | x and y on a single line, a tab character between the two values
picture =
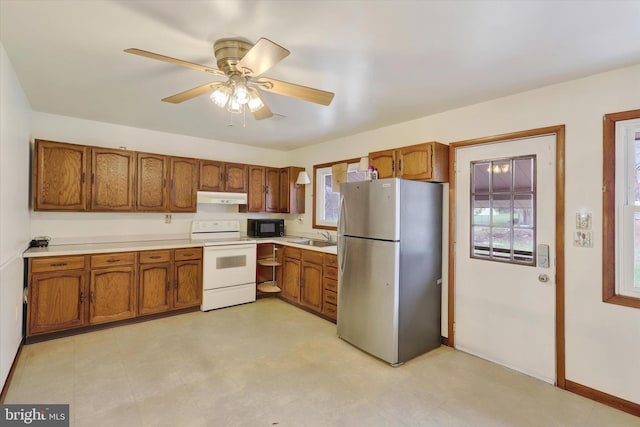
234	107
255	103
220	96
241	95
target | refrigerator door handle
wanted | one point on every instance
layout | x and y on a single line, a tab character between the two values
342	221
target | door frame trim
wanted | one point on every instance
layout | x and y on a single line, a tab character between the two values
559	132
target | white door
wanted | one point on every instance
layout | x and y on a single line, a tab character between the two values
504	294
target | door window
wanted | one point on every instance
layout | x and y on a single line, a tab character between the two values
503	210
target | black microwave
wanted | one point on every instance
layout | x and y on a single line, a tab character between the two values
265	227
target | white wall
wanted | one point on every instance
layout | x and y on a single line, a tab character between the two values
15	116
72	227
602	340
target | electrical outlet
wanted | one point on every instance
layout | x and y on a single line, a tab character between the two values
167	219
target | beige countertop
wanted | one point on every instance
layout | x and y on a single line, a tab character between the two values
287	241
97	248
148	245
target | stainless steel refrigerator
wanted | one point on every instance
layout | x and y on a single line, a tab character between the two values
390	267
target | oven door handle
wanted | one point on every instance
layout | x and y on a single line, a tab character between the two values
229	247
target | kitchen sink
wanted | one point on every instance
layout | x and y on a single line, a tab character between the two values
316	243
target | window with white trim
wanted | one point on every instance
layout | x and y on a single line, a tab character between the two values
327	201
621	209
628	208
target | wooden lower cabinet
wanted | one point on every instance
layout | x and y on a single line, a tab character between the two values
311	280
112	288
330	287
187	280
56	301
291	270
68	292
154	283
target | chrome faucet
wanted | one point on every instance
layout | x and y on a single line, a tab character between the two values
326	235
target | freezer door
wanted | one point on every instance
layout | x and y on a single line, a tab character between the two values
368	296
370	209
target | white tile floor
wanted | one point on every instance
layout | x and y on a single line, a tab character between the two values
269	363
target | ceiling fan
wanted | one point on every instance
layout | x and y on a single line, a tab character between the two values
243	64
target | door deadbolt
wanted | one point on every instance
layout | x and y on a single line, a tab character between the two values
543	278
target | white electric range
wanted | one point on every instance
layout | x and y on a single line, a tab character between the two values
229	264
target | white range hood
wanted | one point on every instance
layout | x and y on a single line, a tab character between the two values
210	197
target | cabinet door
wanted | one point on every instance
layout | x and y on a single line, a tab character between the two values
255	196
283	205
296	192
152	172
311	286
112	294
188	284
211	175
291	279
384	162
56	301
272	190
184	184
154	289
235	178
414	162
59	181
112	179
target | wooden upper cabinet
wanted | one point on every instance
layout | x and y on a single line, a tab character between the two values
384	162
211	175
184	184
152	172
235	180
256	193
291	194
221	176
283	205
112	180
428	161
60	172
272	190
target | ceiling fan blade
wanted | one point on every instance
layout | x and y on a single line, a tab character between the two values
175	61
264	112
262	56
296	91
192	93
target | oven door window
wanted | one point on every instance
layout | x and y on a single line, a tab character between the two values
233	261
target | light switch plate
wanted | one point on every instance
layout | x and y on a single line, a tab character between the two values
583	239
583	220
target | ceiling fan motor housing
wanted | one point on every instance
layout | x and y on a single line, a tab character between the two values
229	52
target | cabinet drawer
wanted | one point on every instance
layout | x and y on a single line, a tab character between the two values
313	256
330	310
188	253
331	272
331	284
111	260
290	252
60	263
330	297
331	260
148	257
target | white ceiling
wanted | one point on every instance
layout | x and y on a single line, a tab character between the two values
386	61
